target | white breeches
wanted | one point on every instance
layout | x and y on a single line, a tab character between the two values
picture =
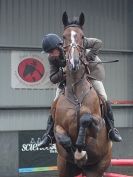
58	90
98	86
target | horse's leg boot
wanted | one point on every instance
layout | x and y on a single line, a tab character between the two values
66	142
63	139
48	137
85	122
113	133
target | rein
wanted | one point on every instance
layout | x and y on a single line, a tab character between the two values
81	50
78	102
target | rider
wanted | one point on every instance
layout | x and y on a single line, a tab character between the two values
53	45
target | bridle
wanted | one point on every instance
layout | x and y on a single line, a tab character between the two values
81	51
79	48
74	45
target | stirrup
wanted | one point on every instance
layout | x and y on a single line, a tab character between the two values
113	129
46	141
50	139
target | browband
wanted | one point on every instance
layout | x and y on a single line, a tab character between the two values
72	25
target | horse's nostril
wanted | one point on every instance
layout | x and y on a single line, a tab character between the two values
76	68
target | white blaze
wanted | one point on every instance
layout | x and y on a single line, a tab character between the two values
73	34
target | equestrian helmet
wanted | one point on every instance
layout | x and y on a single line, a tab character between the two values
51	41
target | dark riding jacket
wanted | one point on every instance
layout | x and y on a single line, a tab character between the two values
56	65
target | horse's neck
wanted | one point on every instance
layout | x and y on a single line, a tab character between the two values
76	82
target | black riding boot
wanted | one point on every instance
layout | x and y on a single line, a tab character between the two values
49	135
109	118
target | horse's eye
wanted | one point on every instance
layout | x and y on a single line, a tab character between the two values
82	37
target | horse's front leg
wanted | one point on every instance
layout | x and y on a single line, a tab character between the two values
67	169
65	154
94	174
63	139
85	121
80	155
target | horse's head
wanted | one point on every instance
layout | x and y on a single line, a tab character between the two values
73	37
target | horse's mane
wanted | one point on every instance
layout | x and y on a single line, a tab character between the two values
75	21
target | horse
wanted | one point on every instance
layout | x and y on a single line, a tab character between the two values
80	131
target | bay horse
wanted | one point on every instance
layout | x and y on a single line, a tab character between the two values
80	131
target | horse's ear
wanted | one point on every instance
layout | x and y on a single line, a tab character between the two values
65	18
81	19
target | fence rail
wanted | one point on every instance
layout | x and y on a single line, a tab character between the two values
117	162
115	175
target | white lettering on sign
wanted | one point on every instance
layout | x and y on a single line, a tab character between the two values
33	146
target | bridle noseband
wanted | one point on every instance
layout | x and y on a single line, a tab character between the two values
74	45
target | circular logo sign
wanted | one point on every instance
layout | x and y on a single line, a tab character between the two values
31	70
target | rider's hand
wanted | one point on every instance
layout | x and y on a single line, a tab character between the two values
90	56
64	70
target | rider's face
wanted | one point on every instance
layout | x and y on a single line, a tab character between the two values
54	53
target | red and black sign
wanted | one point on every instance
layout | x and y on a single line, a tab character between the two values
31	70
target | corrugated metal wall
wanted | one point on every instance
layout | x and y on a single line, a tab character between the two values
22	25
23	119
118	81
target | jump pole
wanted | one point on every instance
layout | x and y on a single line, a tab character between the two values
115	175
122	162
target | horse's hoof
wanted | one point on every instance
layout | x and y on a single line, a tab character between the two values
80	155
80	158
